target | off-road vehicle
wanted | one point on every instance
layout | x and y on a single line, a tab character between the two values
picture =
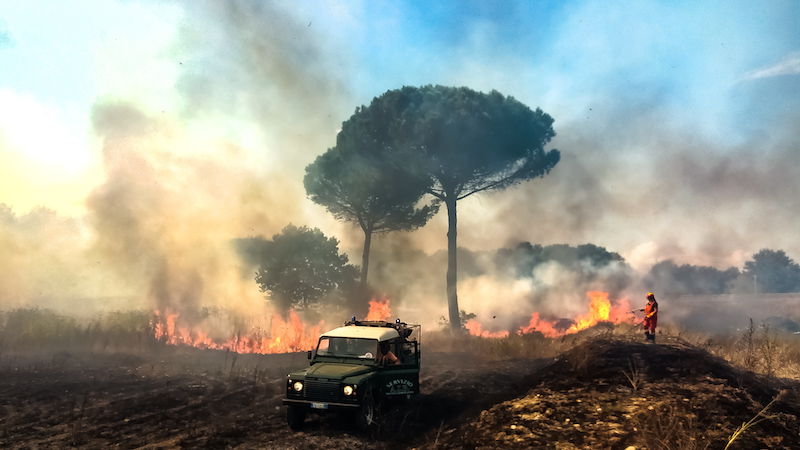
348	373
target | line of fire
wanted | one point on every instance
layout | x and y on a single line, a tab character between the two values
293	335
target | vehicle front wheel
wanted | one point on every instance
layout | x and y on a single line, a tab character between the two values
367	413
295	416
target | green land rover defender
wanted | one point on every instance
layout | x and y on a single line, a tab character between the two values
353	371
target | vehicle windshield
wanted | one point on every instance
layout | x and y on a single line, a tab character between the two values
347	347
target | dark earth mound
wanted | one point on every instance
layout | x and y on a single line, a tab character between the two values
602	394
618	394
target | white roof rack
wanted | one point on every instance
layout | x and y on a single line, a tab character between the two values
378	333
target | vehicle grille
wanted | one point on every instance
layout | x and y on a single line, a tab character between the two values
322	389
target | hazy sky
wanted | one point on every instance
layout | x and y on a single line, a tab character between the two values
677	120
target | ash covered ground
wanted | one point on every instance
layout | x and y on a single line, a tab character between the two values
606	392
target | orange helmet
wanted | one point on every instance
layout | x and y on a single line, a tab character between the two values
651	296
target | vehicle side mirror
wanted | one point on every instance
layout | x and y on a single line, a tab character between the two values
308	355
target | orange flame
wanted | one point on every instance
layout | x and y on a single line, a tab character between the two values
474	328
545	327
600	310
379	310
285	336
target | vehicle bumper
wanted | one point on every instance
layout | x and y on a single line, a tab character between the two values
320	405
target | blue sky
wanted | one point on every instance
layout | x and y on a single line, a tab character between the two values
677	121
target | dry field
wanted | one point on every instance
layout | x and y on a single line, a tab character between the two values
603	388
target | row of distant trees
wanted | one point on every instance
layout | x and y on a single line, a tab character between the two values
301	268
769	271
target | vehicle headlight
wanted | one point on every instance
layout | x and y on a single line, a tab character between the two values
348	390
298	386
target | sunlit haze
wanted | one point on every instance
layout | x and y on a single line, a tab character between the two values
137	138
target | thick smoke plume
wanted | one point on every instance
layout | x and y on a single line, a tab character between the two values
673	195
493	286
170	206
43	261
177	190
262	92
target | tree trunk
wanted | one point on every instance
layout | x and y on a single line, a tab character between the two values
365	260
452	295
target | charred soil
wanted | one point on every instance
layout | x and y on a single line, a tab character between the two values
617	394
603	393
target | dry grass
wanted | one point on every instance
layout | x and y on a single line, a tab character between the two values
758	418
758	348
634	375
671	427
34	329
532	345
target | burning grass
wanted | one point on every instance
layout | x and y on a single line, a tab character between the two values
32	329
265	334
283	335
759	348
601	309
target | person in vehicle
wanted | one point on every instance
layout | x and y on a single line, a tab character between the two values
650	317
385	356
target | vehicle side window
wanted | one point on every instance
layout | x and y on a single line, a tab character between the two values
323	346
395	348
407	352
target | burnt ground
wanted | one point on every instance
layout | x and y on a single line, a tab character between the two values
604	393
618	394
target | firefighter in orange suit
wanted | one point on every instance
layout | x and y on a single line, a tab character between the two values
650	317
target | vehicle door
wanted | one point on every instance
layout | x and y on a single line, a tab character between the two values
400	380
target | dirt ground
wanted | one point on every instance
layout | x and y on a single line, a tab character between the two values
624	394
601	394
174	398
